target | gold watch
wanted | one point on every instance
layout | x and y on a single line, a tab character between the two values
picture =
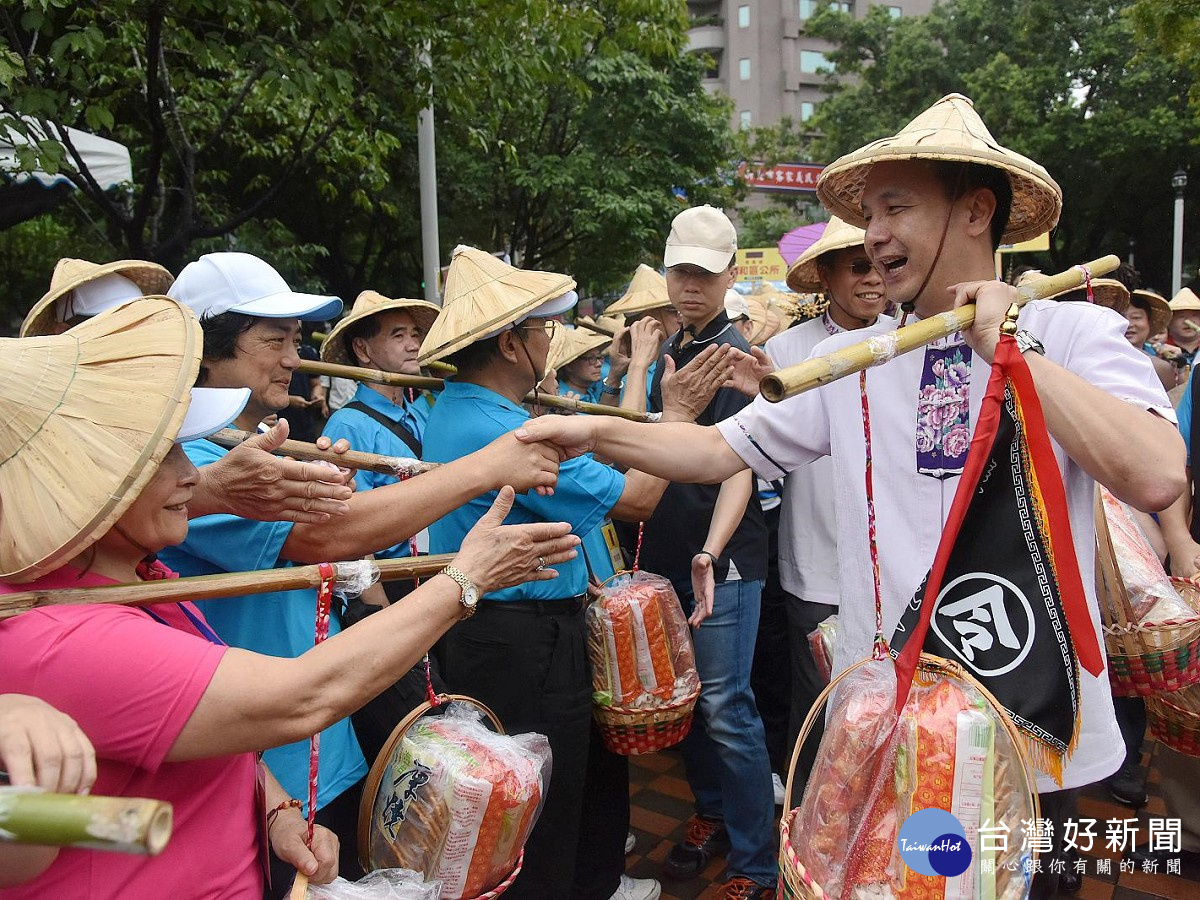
470	593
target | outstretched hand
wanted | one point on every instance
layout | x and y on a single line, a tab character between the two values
749	369
569	436
687	391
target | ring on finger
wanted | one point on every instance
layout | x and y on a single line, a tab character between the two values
541	564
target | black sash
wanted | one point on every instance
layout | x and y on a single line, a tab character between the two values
394	427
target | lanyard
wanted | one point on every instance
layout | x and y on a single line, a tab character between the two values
199	624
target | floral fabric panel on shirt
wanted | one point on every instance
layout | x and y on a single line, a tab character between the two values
943	409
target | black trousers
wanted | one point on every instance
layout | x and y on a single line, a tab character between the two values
532	669
807	683
770	673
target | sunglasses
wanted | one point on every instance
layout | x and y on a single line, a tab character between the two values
860	267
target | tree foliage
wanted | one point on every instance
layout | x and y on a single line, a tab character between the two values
1060	81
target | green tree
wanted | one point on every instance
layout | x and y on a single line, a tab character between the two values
1061	82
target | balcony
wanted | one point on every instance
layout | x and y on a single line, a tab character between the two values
706	38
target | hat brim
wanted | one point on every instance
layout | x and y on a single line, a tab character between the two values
553	307
804	275
210	410
336	349
715	261
1107	292
151	278
292	305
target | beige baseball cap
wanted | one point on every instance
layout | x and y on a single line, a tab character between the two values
701	236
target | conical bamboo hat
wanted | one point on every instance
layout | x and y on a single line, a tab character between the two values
647	291
574	344
1105	291
1156	307
86	417
71	273
767	321
335	347
838	235
484	294
607	325
949	130
1186	299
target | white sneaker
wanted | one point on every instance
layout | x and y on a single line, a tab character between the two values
777	784
630	843
637	889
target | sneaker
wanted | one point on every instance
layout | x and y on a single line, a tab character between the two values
706	839
777	786
1126	787
630	843
637	889
741	888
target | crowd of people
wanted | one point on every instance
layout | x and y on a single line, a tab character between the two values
755	512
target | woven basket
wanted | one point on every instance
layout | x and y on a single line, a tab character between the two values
366	807
632	732
1175	719
1143	658
795	882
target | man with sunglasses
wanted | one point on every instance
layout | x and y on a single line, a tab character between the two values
524	652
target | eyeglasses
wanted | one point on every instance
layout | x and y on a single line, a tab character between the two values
549	326
859	267
592	359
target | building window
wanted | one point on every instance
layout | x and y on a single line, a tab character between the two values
808	8
806	110
744	119
813	61
843	6
895	11
744	69
743	17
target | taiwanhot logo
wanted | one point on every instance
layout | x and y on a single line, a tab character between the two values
933	842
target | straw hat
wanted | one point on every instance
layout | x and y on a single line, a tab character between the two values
766	320
484	295
949	130
69	274
336	347
647	291
607	325
1156	307
838	235
1186	299
1105	291
573	343
88	416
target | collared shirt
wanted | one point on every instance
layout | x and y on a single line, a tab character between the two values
280	623
679	526
591	395
911	508
467	417
370	436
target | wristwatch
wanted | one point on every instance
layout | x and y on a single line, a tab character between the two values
1027	341
470	593
610	389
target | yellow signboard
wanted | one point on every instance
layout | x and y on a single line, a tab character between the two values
1038	243
761	264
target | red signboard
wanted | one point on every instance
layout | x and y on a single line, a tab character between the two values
781	177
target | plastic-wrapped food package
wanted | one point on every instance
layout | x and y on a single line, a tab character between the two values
1151	596
948	750
639	644
820	642
382	884
457	801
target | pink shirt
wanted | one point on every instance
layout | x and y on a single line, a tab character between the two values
132	683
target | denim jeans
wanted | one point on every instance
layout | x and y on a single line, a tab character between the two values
726	752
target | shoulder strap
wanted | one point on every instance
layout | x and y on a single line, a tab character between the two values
395	428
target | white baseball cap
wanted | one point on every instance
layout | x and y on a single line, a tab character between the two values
701	236
555	306
94	297
211	409
243	283
736	306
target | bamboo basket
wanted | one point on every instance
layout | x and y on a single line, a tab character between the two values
633	732
1175	719
1144	658
796	882
366	809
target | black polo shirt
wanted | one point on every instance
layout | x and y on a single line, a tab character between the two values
676	531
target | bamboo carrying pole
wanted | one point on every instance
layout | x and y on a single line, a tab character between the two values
351	459
121	824
392	379
880	349
211	587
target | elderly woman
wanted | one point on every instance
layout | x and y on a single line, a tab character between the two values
92	418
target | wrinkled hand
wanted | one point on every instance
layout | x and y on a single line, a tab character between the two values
686	392
495	555
524	466
749	369
570	436
646	336
40	746
287	835
991	299
703	589
618	352
250	482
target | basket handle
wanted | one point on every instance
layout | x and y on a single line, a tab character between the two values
366	806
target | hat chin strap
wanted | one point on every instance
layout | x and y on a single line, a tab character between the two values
537	379
910	305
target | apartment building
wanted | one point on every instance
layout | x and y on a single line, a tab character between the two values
764	59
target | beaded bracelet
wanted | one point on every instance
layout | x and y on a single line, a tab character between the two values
286	804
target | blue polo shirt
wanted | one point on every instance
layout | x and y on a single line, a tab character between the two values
370	436
591	395
468	417
275	624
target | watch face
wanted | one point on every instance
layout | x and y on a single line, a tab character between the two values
470	596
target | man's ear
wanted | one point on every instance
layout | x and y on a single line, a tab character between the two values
361	352
733	270
981	206
506	343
